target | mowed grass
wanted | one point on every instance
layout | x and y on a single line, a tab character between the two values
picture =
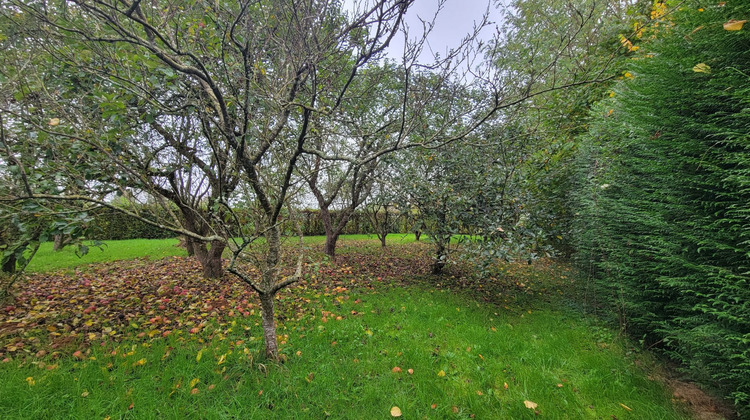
47	260
466	360
356	352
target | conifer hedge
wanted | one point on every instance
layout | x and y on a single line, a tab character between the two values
663	195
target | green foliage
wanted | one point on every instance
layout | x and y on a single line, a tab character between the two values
663	196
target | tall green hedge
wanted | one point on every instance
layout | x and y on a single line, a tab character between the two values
663	196
108	224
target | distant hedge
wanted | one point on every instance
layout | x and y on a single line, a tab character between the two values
108	224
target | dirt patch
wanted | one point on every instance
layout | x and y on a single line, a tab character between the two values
703	405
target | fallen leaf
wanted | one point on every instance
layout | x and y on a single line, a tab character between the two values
734	25
433	406
396	369
559	385
441	373
85	394
454	409
56	121
480	392
702	68
194	382
194	391
530	404
222	359
625	407
505	385
411	371
395	411
199	355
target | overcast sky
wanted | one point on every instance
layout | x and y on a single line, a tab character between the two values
455	20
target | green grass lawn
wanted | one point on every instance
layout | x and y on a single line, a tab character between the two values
464	359
353	346
48	260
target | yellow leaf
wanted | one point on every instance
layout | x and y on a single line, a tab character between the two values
56	121
30	380
626	407
200	354
194	382
395	411
85	394
222	359
734	25
140	362
530	404
368	332
702	68
505	385
441	373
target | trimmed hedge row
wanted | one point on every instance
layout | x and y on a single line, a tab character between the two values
108	224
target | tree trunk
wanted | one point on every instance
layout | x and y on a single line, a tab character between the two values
382	239
59	242
212	267
417	234
330	246
210	258
190	246
268	290
439	263
269	326
332	232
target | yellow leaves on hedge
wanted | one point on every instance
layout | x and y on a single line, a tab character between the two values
702	68
734	25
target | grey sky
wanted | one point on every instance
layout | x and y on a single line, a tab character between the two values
455	20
